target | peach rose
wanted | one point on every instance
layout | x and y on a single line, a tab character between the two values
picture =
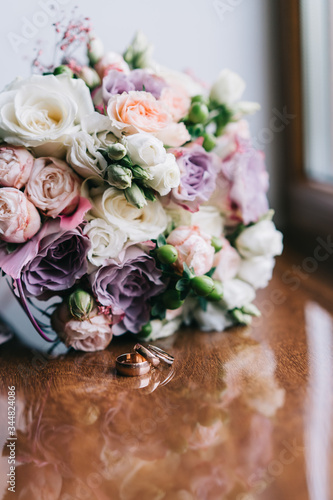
227	262
193	247
15	166
109	61
177	102
19	219
92	334
53	187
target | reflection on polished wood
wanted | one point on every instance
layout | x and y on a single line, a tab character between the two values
245	414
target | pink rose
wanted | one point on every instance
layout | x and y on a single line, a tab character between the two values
193	247
15	166
136	111
93	334
177	102
109	61
19	219
53	187
227	262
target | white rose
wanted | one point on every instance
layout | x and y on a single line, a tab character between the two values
162	329
84	157
213	319
145	150
257	271
138	224
244	108
178	79
43	109
99	127
106	241
228	89
208	219
165	176
261	239
236	294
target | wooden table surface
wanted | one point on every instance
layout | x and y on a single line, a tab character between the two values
246	414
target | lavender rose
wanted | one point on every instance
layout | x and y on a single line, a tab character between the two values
127	286
198	177
242	185
60	261
139	79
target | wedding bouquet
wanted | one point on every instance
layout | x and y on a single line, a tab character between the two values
132	193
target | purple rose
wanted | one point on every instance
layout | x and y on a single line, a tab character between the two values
116	82
198	177
59	262
127	286
242	185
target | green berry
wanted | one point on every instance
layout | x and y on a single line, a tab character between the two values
198	113
209	142
172	300
217	293
199	98
167	254
146	330
202	285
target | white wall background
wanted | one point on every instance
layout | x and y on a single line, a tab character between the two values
202	35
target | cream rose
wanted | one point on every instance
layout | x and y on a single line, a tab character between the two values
256	271
194	248
19	218
53	187
145	150
177	102
107	241
165	176
99	127
15	166
43	109
174	135
92	334
261	239
84	157
138	224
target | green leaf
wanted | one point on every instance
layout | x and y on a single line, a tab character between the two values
158	310
161	241
211	272
183	285
203	303
187	272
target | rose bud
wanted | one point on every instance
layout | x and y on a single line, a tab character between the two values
135	196
80	304
172	300
119	177
198	113
63	70
15	166
167	254
217	293
116	151
217	243
95	50
19	218
202	285
141	173
89	76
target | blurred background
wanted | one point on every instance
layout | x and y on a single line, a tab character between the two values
281	48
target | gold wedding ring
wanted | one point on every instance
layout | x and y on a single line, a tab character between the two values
132	365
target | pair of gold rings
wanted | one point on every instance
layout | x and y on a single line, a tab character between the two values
138	363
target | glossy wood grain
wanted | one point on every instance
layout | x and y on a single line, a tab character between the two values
246	414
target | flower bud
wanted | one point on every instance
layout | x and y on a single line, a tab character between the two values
90	77
63	70
252	310
209	142
198	113
202	285
217	243
116	151
80	304
167	254
135	196
118	176
140	173
240	317
217	292
172	300
200	98
95	50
